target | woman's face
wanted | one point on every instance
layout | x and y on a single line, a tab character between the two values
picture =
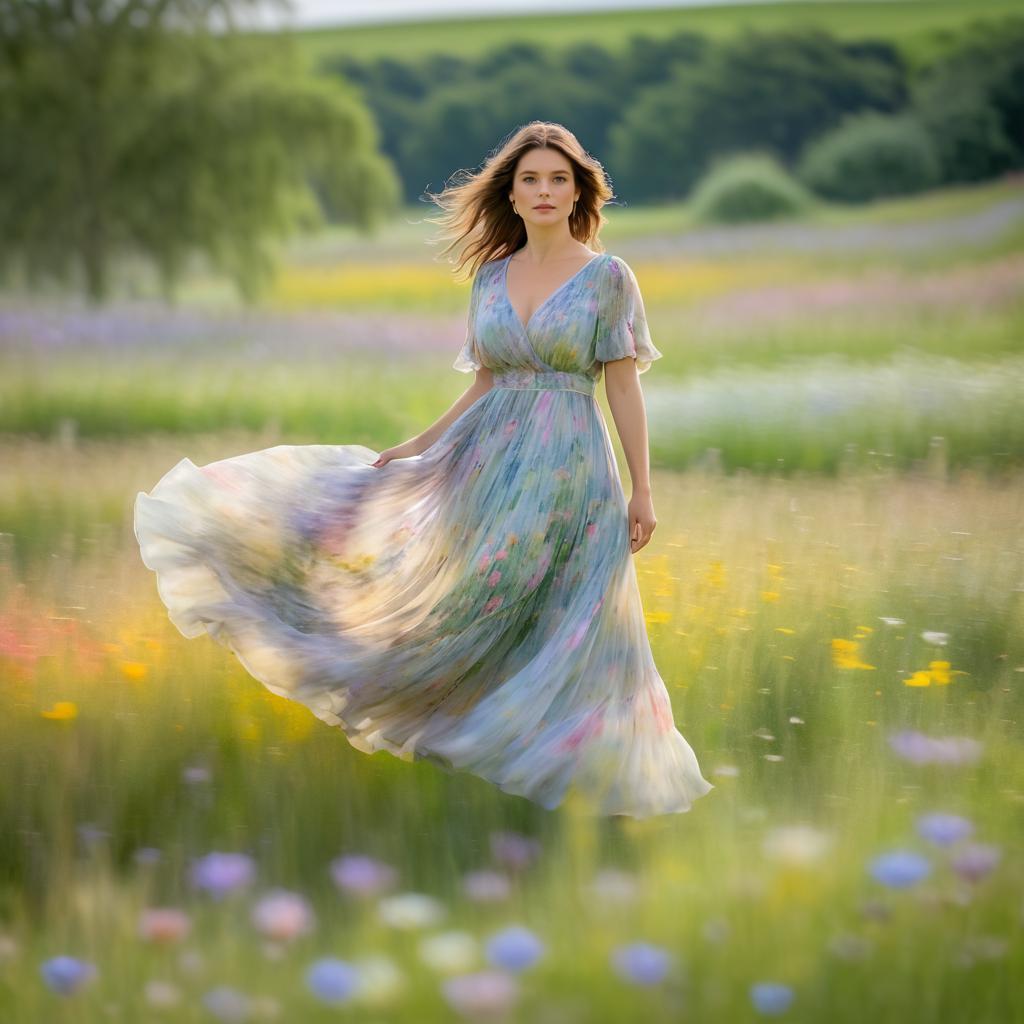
543	187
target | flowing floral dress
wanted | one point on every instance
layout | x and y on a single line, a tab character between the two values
475	605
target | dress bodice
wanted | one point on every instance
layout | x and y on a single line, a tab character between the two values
594	317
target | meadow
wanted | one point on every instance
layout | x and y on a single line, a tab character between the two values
833	595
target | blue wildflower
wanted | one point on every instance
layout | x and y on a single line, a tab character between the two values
66	974
332	980
900	868
514	948
944	829
641	963
771	997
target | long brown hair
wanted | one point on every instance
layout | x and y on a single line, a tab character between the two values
478	215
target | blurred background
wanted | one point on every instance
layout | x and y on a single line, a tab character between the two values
215	237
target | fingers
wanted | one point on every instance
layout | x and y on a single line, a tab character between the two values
639	538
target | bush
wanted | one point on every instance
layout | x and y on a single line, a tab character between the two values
971	101
871	155
971	142
748	187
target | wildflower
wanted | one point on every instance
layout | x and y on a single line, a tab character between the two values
922	749
771	997
332	981
900	869
936	673
361	874
514	948
65	975
976	860
641	963
8	948
227	1004
379	980
943	829
162	995
282	915
613	885
164	925
62	711
486	886
449	952
147	855
844	654
514	850
191	962
410	910
796	844
483	992
222	873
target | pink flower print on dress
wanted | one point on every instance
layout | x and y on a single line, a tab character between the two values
591	726
577	635
221	474
661	709
493	603
492	580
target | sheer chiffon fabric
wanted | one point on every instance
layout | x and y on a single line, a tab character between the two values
476	605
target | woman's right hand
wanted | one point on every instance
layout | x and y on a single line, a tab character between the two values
400	451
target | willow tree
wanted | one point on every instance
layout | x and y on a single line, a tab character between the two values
156	130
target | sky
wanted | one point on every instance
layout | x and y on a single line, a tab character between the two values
309	13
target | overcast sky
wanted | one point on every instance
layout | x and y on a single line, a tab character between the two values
351	12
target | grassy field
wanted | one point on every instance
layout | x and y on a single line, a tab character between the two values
833	595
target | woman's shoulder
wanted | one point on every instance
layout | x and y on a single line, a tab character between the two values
487	270
616	274
616	264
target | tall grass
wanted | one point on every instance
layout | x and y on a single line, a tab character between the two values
799	624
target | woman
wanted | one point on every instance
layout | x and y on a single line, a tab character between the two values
466	597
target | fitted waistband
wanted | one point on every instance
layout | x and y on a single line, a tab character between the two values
544	380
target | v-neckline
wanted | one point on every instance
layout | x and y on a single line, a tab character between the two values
525	328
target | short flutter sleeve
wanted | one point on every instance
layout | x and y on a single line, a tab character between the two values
622	322
468	358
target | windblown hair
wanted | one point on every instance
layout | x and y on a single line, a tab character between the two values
477	212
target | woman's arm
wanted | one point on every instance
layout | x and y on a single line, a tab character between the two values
626	401
421	442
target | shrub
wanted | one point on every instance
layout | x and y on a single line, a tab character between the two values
871	155
748	187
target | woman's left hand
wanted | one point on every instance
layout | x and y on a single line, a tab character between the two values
641	521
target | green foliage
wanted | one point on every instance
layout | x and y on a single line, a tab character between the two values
971	101
871	155
659	108
748	187
126	137
758	91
